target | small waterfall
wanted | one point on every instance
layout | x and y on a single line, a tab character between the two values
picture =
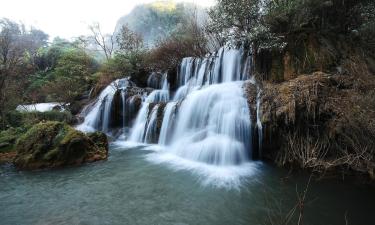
224	66
151	130
213	126
124	103
93	119
106	113
157	80
259	124
139	127
144	126
168	120
98	116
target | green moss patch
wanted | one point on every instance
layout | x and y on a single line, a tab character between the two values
55	144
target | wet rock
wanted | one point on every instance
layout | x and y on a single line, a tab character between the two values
56	144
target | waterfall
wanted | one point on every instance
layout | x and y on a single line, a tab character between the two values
139	127
151	127
204	125
259	124
144	129
213	126
94	116
99	116
124	103
167	125
207	120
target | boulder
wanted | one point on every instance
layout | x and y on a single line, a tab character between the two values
56	144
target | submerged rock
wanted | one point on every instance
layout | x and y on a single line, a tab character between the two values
56	144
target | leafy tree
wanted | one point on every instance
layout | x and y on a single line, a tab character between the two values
14	66
71	76
129	41
234	19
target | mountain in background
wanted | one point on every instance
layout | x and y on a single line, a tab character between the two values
157	20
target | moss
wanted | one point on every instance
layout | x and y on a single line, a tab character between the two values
100	139
8	138
54	144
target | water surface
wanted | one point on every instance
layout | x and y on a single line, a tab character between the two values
138	187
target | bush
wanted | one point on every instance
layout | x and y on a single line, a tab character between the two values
8	138
27	119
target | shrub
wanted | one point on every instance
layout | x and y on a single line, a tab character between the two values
27	119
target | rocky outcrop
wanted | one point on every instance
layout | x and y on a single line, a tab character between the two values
124	115
309	53
321	121
55	144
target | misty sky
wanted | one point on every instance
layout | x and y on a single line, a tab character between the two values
70	18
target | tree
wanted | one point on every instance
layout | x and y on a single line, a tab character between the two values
234	19
129	41
187	40
70	77
105	42
11	66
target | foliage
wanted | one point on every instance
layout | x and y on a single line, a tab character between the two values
27	119
272	24
234	19
18	51
129	41
65	73
188	40
8	138
70	77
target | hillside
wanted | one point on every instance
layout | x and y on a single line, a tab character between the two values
157	20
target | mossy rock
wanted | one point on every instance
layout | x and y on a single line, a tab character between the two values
8	138
55	144
100	139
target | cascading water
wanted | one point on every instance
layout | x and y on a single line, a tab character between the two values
145	124
93	119
208	119
259	124
99	115
213	126
206	122
168	120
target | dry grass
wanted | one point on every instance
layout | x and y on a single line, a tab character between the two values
325	122
307	152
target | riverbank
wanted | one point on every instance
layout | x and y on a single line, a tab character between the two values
321	122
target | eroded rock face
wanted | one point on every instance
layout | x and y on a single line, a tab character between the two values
320	121
125	114
55	144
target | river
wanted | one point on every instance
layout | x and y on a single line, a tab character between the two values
138	186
